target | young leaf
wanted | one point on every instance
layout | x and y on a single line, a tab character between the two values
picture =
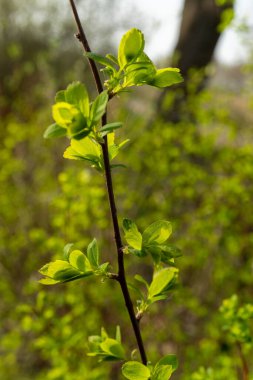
171	360
161	281
105	61
113	349
53	131
63	113
140	71
166	77
135	371
112	58
110	127
66	250
85	149
162	372
77	95
118	334
99	106
60	271
158	232
132	234
93	253
114	148
78	260
60	96
49	281
139	278
131	46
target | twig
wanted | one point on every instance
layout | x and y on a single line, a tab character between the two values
121	269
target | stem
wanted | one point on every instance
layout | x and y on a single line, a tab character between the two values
245	368
121	268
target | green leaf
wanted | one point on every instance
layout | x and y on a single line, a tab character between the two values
154	250
63	113
113	348
170	250
114	148
131	46
112	58
168	253
59	270
118	334
139	278
136	290
93	253
171	360
104	334
99	106
77	95
161	281
132	234
78	260
54	131
111	126
48	281
166	77
158	232
103	268
66	250
86	149
133	370
105	61
162	372
60	96
139	72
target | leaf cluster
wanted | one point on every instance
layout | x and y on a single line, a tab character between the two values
152	241
133	67
75	265
163	369
106	348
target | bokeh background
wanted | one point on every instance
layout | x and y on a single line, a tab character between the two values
189	160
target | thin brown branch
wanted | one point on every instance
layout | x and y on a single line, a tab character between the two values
121	269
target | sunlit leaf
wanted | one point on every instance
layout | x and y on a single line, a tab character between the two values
162	372
54	131
158	232
93	253
161	281
63	113
166	77
99	106
78	260
113	348
77	95
171	360
105	61
132	234
135	371
86	148
131	46
111	127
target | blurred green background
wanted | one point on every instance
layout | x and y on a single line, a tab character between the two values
190	161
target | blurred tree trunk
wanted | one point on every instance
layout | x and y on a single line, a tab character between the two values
199	34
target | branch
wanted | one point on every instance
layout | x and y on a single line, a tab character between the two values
121	269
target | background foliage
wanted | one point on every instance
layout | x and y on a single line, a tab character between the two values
197	172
